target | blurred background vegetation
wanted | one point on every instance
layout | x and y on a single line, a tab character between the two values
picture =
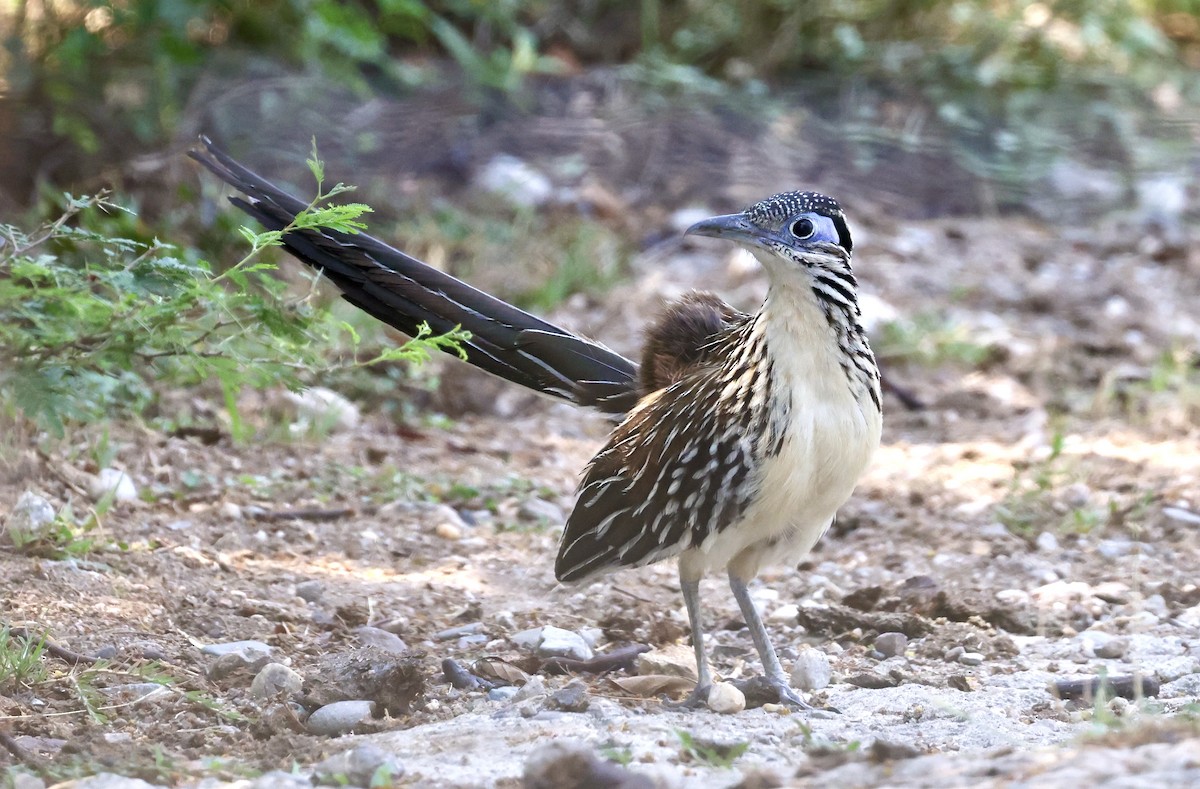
935	106
89	85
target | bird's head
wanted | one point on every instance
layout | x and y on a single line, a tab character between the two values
806	229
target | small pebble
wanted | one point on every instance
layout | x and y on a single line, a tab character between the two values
504	693
811	669
971	658
381	639
891	644
725	699
1046	542
248	651
230	511
953	654
1112	649
275	678
557	642
30	517
785	614
360	766
534	688
527	639
310	591
448	531
452	633
114	481
339	717
572	697
674	660
541	511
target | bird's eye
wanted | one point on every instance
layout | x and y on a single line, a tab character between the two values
803	229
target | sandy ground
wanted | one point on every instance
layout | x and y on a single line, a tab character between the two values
1037	521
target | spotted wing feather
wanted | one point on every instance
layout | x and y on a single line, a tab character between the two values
680	468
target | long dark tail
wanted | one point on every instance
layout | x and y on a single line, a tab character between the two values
404	292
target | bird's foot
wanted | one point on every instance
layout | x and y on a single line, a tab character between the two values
697	698
777	690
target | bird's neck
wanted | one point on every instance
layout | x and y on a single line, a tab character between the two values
814	327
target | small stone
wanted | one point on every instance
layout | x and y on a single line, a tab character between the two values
339	717
565	763
1113	592
570	698
592	635
725	699
1189	617
452	633
310	591
248	651
527	639
953	654
971	658
506	620
448	531
811	669
557	642
541	511
230	511
515	179
275	678
1112	649
29	518
1114	548
114	481
323	409
382	639
534	688
503	693
1046	542
673	660
364	765
891	644
784	614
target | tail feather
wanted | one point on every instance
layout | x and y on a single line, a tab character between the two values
404	292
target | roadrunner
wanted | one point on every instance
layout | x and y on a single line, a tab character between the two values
741	434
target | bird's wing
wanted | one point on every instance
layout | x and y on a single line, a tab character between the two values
681	467
404	292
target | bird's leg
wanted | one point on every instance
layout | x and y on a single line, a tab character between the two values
691	598
772	670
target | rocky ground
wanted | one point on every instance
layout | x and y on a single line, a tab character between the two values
1010	599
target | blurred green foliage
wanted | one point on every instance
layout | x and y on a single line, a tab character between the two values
110	76
90	319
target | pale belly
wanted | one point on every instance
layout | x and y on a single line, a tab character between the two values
801	489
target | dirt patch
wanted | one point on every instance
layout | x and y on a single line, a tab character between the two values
1036	520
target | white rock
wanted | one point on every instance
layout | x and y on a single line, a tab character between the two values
725	699
673	660
276	678
111	480
249	651
340	716
1046	542
30	517
811	670
541	511
556	642
1189	617
516	180
359	767
324	408
785	614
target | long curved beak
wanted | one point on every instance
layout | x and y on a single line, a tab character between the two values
733	227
